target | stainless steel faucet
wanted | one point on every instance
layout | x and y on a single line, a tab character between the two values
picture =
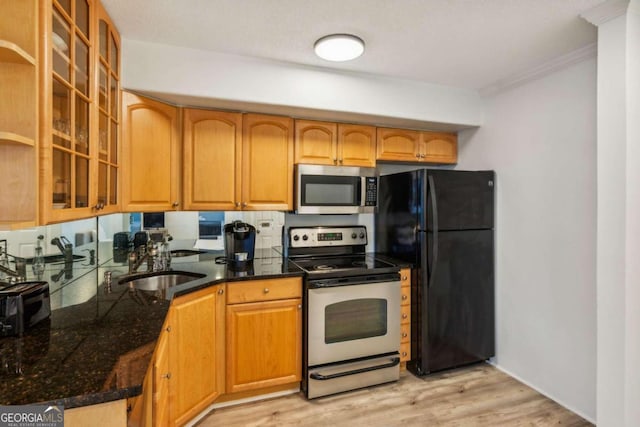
65	247
17	275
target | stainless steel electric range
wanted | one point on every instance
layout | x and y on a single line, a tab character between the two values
352	310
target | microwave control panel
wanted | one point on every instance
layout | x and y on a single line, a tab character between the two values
371	191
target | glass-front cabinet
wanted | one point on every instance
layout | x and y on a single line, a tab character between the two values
79	140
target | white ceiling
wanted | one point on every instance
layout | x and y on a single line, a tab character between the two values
462	43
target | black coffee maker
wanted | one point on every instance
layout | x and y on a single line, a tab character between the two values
239	244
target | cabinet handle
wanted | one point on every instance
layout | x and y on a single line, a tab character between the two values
266	290
175	204
404	297
220	291
168	329
167	375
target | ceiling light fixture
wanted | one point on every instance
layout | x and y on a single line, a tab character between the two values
339	47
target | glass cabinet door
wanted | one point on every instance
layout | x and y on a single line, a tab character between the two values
71	103
108	111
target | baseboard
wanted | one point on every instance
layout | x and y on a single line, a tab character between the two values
213	406
542	392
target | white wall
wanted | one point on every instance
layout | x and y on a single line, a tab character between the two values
541	140
204	78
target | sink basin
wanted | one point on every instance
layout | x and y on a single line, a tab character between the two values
49	259
159	281
185	252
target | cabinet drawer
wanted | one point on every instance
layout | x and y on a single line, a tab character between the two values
264	290
405	352
405	314
405	332
405	295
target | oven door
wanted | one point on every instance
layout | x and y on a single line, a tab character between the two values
352	321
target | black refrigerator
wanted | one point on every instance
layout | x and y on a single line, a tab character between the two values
441	221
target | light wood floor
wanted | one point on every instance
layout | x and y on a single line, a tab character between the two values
479	395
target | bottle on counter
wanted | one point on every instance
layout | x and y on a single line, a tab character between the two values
38	257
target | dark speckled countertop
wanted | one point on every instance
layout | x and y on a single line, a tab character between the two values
97	345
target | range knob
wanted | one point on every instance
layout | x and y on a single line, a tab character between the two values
305	237
296	237
362	234
354	235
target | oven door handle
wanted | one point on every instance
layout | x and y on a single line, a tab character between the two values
393	362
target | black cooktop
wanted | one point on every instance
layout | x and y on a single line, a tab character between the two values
343	265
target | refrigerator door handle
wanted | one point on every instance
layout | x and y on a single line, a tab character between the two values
434	210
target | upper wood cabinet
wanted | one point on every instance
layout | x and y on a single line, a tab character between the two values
325	143
19	69
212	160
80	111
150	155
196	352
401	145
267	162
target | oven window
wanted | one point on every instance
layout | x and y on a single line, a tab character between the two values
319	190
355	319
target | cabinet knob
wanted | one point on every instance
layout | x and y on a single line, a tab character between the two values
244	204
167	375
340	161
266	290
404	278
299	306
237	204
220	291
168	329
404	316
417	155
404	335
404	297
175	204
404	354
335	160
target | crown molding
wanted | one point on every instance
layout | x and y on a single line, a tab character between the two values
550	67
605	12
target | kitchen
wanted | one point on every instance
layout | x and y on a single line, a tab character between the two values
546	281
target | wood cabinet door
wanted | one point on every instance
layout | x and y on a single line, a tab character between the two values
150	156
356	145
161	382
264	344
398	144
440	147
212	159
267	163
316	142
196	348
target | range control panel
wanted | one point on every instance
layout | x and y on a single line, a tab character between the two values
308	237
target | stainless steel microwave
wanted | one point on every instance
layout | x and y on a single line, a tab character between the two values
335	189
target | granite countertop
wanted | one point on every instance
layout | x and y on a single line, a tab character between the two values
97	345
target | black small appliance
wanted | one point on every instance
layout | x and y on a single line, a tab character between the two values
239	244
22	306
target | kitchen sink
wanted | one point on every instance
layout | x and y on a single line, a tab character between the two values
159	281
186	252
50	259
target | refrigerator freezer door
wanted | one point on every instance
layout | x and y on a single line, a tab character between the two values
464	199
458	301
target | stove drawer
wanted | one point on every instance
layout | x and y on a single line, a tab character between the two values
264	290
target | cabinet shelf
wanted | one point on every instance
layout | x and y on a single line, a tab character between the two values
12	53
14	138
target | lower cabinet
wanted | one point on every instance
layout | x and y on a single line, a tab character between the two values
405	315
212	346
264	334
196	352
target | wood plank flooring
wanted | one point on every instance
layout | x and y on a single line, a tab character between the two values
479	395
